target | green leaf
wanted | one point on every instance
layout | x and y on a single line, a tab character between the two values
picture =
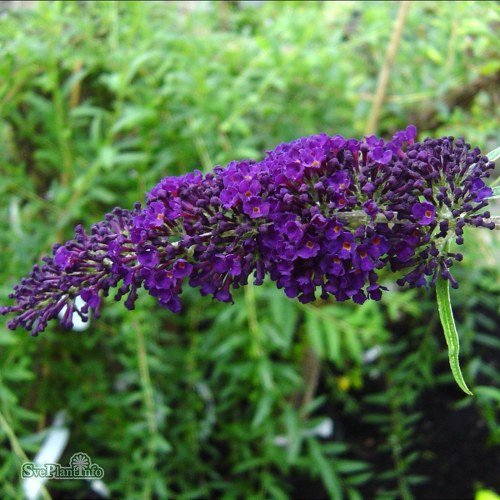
325	469
488	392
264	408
348	466
494	155
486	495
450	331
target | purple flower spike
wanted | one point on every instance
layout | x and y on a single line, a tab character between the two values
319	214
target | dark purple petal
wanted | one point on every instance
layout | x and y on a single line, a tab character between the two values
424	213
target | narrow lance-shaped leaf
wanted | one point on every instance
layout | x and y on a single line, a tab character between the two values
494	155
450	331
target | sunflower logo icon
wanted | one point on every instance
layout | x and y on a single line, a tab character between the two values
79	462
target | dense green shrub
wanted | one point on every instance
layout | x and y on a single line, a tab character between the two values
99	100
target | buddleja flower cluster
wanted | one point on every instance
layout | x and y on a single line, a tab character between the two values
320	216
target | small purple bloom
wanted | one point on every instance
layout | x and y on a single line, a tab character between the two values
155	214
114	250
312	158
91	297
172	210
375	291
339	180
229	197
64	259
343	246
148	256
294	231
168	185
362	259
479	190
229	263
164	279
318	221
404	251
294	170
223	294
182	268
338	142
336	266
248	189
369	188
173	304
138	234
424	213
378	246
333	230
374	142
340	202
308	248
370	208
411	133
255	207
380	155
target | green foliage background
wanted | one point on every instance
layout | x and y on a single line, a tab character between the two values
99	101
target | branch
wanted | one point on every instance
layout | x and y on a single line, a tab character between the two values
383	80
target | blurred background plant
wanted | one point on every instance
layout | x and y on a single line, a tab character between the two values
266	398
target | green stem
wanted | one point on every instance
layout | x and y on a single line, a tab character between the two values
396	448
253	323
63	131
149	406
18	450
385	72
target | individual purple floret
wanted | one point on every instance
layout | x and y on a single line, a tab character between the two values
320	216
